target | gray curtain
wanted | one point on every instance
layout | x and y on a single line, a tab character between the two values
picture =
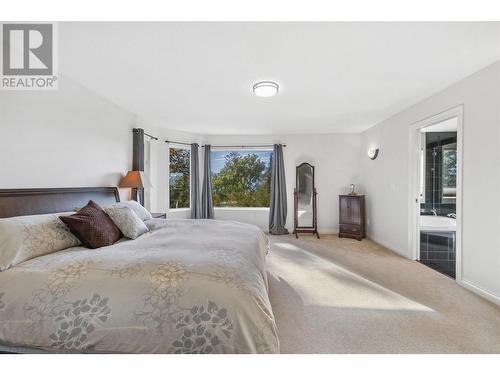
138	161
277	206
207	204
195	183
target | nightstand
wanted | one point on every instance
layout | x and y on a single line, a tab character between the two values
159	215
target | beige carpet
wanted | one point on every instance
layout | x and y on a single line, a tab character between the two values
343	296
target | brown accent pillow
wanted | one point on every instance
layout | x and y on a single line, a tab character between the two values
92	226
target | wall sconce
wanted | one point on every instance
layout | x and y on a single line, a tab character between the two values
373	153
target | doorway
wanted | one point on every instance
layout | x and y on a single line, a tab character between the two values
436	192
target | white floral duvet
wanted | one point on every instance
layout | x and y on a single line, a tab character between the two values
187	286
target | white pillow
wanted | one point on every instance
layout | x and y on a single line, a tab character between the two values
27	237
136	207
127	221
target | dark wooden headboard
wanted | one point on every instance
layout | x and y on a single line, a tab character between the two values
20	202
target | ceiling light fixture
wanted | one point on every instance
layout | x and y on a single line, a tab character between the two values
265	89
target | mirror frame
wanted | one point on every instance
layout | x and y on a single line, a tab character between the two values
313	229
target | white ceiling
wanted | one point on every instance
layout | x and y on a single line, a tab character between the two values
333	77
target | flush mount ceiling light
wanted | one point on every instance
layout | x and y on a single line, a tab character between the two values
265	89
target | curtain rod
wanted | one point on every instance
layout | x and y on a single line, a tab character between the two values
229	146
242	146
150	136
135	130
179	143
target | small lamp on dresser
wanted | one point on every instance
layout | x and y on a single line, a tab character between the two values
137	181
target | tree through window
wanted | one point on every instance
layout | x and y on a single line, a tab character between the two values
241	178
179	177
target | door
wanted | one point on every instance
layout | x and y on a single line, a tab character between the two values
349	210
354	210
435	220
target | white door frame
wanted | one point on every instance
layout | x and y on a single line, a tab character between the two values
414	182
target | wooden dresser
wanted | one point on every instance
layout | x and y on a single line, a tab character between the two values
352	216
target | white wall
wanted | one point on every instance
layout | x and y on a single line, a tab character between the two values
335	156
385	179
65	138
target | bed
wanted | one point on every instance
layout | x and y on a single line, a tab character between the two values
186	286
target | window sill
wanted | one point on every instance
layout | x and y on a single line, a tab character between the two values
179	209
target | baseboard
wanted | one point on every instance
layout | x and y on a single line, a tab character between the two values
486	294
387	245
322	230
328	231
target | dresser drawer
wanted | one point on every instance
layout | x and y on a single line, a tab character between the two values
350	228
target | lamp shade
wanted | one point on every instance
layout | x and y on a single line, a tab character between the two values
135	179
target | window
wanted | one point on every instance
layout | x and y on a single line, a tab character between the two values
241	178
422	170
449	173
179	177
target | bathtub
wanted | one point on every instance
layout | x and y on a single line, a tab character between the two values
430	223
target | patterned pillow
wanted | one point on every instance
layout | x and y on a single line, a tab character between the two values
127	221
92	226
27	237
136	207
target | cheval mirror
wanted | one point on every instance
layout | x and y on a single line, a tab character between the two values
305	215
